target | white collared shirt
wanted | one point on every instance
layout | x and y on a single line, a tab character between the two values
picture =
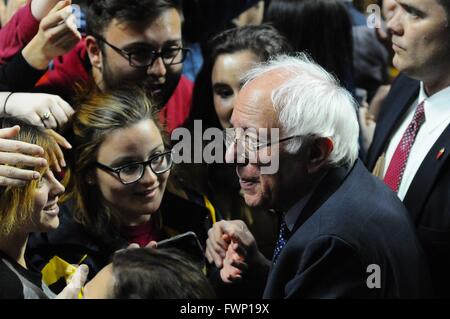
437	118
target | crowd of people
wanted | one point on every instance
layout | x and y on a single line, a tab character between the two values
331	142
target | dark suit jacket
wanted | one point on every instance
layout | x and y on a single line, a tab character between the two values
352	221
428	197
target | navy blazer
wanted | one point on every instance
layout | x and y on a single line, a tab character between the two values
351	222
428	197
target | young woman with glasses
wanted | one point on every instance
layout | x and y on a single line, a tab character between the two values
117	192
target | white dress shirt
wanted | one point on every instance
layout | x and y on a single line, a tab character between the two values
437	118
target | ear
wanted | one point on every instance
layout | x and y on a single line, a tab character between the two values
318	154
94	52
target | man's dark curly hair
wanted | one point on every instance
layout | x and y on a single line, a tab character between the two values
101	12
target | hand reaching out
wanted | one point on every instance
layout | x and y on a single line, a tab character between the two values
57	35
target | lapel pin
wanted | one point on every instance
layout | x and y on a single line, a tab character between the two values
440	153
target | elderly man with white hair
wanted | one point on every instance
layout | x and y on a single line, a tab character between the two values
343	232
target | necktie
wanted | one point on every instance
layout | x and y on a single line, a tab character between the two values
398	162
283	237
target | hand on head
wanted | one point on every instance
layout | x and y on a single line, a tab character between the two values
14	152
44	110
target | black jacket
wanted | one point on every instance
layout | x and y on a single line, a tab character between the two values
72	242
428	197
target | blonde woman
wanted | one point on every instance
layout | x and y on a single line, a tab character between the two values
24	210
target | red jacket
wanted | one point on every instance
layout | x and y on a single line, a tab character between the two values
74	68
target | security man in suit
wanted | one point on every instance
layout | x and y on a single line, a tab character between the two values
411	145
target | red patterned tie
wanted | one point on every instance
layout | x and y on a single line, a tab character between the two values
398	162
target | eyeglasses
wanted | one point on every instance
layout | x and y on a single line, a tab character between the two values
144	58
249	144
131	173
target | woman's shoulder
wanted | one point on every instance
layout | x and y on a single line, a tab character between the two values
11	286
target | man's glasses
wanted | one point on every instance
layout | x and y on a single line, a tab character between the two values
248	144
143	58
131	173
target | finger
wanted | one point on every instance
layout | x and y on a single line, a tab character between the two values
58	114
239	247
55	162
219	247
133	246
25	153
212	255
66	40
9	173
11	182
55	33
80	276
22	160
217	232
242	266
50	122
9	132
59	139
59	13
34	119
66	107
71	23
60	156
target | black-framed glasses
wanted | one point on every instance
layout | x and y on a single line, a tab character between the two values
249	144
144	58
132	172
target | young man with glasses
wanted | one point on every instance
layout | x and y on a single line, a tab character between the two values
129	42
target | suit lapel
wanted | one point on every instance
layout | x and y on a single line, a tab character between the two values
426	176
327	187
395	106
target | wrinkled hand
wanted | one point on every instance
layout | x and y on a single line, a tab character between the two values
234	263
57	35
14	152
75	285
32	107
234	233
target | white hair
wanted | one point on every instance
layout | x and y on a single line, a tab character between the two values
310	102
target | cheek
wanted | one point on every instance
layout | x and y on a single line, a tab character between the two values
122	71
268	184
224	108
174	70
40	199
110	188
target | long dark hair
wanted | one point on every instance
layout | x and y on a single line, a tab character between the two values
322	28
263	40
98	116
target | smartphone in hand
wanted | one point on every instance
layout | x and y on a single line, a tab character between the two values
187	243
